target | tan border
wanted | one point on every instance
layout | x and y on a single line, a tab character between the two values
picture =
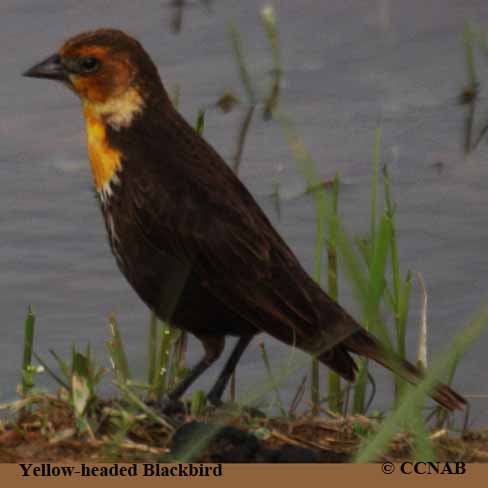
269	476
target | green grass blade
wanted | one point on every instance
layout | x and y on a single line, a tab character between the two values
423	450
403	313
374	183
241	138
49	371
335	391
138	403
27	368
200	126
198	403
176	364
376	255
160	381
116	349
152	348
377	280
401	319
333	221
62	364
243	71
81	387
268	17
395	262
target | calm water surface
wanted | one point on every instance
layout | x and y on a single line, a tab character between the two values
347	66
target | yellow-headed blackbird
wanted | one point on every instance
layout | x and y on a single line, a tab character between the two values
185	232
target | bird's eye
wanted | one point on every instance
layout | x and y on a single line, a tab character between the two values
89	64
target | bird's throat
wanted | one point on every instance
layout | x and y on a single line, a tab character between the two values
105	160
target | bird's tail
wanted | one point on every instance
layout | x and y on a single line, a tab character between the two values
364	344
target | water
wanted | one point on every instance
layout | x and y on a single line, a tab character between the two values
347	66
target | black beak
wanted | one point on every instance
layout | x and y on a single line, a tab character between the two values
51	69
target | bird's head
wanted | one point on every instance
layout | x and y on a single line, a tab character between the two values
118	85
109	70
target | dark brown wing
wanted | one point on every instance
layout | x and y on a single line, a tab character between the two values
230	246
187	202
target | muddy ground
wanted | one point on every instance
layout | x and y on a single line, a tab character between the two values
47	430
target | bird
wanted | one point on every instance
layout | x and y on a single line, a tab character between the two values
187	234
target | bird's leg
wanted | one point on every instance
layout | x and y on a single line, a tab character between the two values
215	394
213	346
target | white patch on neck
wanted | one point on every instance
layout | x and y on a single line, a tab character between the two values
105	193
119	112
